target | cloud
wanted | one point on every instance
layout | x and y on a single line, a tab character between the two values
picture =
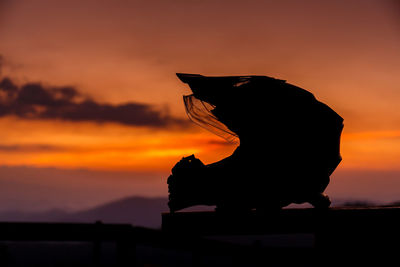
36	101
28	148
1	63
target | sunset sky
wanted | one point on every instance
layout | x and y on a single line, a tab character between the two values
113	64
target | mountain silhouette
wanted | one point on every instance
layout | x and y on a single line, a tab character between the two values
138	211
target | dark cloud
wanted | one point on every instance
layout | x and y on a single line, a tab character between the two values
36	101
28	148
1	63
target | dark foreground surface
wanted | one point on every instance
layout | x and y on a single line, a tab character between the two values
293	237
289	237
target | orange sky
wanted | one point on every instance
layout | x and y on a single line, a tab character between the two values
115	52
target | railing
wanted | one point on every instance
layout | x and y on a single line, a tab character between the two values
122	235
135	246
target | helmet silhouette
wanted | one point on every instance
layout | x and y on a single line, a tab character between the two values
289	145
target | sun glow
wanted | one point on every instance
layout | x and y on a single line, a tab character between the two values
107	146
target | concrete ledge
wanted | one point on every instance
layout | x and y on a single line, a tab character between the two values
371	227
